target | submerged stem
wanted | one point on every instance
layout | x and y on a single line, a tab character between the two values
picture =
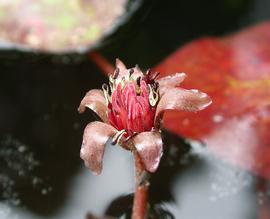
139	210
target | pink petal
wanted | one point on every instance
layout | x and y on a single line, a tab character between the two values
181	99
149	147
170	81
95	100
119	64
123	71
95	137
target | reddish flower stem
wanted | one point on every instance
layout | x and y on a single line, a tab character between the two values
141	190
101	62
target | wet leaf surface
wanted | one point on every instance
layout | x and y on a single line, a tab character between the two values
57	25
235	72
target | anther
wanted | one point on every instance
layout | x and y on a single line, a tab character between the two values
116	73
138	81
106	91
153	96
117	137
148	72
131	71
105	87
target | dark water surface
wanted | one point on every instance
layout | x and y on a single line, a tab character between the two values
41	174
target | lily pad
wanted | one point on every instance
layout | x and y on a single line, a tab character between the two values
58	25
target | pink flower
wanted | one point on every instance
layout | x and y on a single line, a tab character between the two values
131	109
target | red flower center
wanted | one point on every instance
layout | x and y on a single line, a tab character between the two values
130	108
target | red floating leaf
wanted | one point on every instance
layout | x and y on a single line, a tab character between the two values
235	72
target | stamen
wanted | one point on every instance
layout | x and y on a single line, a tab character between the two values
131	136
155	86
138	89
123	82
153	96
111	84
111	79
138	81
148	72
116	73
105	86
105	89
131	71
117	137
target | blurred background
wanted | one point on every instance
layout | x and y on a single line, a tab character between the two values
45	70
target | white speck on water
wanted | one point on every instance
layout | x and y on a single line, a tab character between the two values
44	191
22	148
213	186
17	161
36	181
229	181
217	118
21	173
261	196
225	181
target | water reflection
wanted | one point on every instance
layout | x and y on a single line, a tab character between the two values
88	193
214	189
46	122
